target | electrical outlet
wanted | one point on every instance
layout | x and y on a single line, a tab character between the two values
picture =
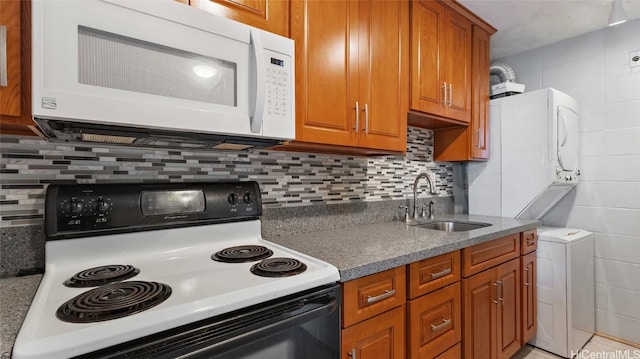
634	59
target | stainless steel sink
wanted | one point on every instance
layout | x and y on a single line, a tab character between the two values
452	226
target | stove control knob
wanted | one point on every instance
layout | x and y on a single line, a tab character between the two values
247	198
101	205
74	206
232	199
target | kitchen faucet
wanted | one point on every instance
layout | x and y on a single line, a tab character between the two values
415	196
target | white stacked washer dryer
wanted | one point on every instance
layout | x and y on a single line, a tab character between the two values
533	164
565	289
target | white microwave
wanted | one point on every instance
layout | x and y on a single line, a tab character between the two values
158	73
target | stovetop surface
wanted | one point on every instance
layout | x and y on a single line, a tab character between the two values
180	258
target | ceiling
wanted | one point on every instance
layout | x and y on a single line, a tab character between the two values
527	24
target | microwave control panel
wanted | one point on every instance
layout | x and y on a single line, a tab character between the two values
278	96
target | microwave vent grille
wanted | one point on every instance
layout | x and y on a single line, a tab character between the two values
92	137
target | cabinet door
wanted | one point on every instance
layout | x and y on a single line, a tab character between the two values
479	127
383	74
529	299
508	315
434	322
326	37
427	29
381	337
479	315
15	91
270	15
456	66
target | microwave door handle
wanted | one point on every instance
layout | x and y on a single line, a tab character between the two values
260	81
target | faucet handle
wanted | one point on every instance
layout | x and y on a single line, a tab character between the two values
407	216
423	211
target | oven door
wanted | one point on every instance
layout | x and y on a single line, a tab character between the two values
304	325
154	64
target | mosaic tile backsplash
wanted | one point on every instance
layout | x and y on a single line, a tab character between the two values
287	179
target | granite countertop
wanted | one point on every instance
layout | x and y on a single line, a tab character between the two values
15	298
362	250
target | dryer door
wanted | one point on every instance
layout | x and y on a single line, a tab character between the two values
568	141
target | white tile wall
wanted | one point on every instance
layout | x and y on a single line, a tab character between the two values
594	68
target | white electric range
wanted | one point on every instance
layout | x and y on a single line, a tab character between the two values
137	269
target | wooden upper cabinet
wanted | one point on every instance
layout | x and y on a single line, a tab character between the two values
326	51
383	74
351	72
479	127
440	61
269	15
15	90
470	143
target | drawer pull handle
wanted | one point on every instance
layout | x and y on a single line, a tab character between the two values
385	295
352	353
442	273
3	56
445	322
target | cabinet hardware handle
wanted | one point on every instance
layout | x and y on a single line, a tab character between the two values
357	128
500	299
385	295
478	142
3	56
352	353
496	285
444	90
526	269
450	94
366	118
442	273
445	322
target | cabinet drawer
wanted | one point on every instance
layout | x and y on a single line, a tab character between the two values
381	337
489	254
373	294
455	352
434	322
528	241
433	273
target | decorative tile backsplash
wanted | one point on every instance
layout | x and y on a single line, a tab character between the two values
287	179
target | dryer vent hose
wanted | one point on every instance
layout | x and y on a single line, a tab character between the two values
503	72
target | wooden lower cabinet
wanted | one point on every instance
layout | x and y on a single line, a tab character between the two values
380	337
529	298
491	312
455	352
434	323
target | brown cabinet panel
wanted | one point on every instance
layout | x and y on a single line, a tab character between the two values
374	294
434	322
351	73
381	337
479	127
529	298
269	15
508	313
455	352
427	37
488	254
383	74
479	296
433	273
15	97
528	241
457	67
326	49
